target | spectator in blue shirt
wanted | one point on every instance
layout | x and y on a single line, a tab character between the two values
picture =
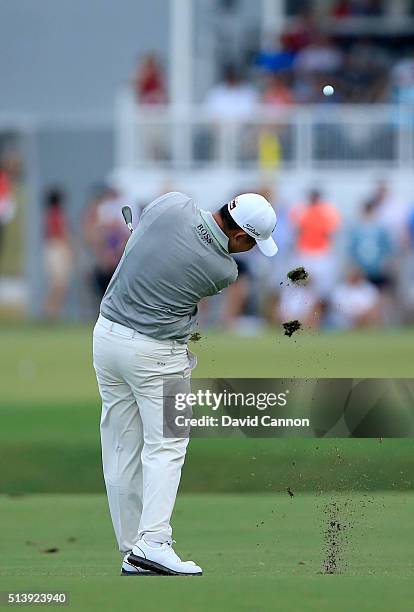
371	248
411	228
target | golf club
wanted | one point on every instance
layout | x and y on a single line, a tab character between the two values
127	214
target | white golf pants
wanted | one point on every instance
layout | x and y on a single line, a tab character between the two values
141	467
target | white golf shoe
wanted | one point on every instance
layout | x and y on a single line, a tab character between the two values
163	560
127	569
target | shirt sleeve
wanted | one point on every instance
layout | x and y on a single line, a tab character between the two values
228	280
158	202
167	200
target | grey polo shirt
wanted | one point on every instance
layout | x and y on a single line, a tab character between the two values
176	255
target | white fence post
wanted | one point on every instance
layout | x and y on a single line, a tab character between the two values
405	118
304	139
128	141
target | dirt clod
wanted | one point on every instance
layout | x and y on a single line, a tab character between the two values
298	275
338	523
291	327
195	337
51	550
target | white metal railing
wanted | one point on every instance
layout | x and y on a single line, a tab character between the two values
317	136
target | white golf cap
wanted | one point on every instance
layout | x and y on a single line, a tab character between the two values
255	215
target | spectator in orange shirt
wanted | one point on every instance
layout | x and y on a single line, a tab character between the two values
277	93
316	222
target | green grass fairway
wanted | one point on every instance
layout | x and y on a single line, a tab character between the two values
261	549
39	364
259	553
49	413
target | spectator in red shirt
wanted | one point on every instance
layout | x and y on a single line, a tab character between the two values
7	205
299	33
357	8
149	82
57	252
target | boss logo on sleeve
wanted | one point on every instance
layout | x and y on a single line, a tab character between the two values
203	233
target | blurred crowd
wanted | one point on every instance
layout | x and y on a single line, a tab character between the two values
362	69
360	265
91	255
293	70
361	273
295	65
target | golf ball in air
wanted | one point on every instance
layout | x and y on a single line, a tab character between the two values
328	90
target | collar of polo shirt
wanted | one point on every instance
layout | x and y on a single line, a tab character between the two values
215	229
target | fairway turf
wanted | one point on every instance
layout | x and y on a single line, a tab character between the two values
260	552
43	363
49	411
260	548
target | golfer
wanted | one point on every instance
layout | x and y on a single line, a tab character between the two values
177	255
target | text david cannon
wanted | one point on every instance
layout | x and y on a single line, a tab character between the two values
228	421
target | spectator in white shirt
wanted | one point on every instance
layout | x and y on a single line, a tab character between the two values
355	302
233	98
321	56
